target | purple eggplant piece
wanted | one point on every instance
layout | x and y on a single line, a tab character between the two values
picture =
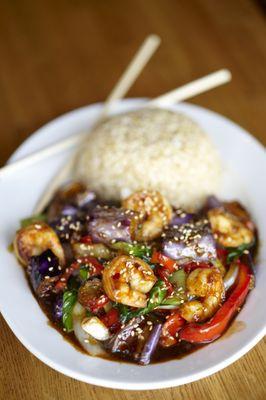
110	224
193	241
44	265
58	308
181	217
212	202
123	342
150	346
71	199
68	252
70	227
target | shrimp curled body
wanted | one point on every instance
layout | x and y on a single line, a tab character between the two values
34	240
127	279
207	284
154	211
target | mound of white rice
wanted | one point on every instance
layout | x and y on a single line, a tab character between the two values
150	149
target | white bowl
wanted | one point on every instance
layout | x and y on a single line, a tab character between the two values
244	178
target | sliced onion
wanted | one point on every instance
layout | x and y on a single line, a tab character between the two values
88	343
231	276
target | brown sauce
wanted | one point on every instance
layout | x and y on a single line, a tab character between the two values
161	354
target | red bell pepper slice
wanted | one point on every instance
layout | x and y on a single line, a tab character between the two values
110	318
86	239
170	328
163	274
167	267
222	254
211	330
94	265
97	303
62	282
166	262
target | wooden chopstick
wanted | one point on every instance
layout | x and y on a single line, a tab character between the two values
192	89
129	76
74	140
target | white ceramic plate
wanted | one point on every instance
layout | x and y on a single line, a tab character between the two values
244	178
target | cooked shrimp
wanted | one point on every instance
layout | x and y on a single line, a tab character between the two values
154	210
127	279
207	284
34	240
229	229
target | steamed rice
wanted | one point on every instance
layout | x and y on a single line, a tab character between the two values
151	149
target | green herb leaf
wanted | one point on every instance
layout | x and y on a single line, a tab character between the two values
236	252
33	219
69	300
157	294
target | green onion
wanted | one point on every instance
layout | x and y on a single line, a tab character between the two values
157	295
69	300
32	220
236	252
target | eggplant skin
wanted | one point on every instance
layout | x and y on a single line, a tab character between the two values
110	224
193	241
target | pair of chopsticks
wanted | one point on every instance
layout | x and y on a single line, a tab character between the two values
131	73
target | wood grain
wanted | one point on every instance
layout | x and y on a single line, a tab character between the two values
57	56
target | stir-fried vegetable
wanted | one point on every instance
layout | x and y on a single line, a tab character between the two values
157	295
110	224
136	250
191	241
135	279
98	250
69	300
150	346
235	252
43	267
178	279
171	328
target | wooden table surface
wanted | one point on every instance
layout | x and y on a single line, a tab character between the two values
59	55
